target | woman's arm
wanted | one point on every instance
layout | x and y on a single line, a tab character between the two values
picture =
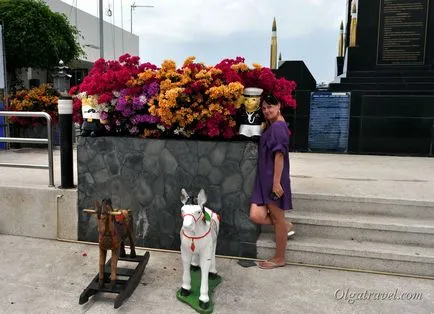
278	168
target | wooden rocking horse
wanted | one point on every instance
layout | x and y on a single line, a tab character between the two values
113	227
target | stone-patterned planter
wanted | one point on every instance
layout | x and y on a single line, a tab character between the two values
146	175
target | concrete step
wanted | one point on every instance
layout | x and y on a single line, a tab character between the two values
363	228
357	205
407	231
361	255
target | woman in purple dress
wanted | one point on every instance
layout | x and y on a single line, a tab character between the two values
272	191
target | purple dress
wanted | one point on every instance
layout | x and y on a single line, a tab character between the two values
275	138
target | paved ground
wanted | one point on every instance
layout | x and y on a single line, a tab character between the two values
22	177
408	178
394	177
48	276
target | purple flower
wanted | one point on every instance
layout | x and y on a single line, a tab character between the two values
144	118
127	112
151	89
134	130
103	115
139	102
122	102
147	118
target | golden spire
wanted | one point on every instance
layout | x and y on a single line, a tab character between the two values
273	52
341	40
353	27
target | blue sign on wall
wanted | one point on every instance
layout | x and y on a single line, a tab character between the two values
329	122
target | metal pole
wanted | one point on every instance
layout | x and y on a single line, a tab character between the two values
66	155
5	122
101	30
131	17
75	13
122	26
50	151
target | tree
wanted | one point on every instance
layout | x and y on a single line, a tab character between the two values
35	36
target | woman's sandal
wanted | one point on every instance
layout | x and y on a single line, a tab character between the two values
291	231
269	265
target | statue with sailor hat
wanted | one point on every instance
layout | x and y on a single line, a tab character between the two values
250	118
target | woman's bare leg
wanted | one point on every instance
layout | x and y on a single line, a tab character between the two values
259	215
289	226
281	230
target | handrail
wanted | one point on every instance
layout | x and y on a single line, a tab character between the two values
48	140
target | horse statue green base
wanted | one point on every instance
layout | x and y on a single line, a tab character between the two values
193	298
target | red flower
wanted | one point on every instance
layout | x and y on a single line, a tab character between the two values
73	90
76	111
228	132
147	66
109	76
105	98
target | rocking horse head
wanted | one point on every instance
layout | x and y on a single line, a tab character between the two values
103	209
193	209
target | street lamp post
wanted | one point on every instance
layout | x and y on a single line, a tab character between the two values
61	84
133	6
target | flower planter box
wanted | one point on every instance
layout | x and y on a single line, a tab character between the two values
146	176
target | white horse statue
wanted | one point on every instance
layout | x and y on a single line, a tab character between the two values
199	232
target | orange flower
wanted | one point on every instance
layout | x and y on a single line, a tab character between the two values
188	61
242	67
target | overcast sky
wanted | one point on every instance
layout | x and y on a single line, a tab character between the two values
215	29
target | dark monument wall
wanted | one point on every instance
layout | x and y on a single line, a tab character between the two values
298	119
391	123
390	74
370	38
146	176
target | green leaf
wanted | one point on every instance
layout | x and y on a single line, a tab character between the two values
207	216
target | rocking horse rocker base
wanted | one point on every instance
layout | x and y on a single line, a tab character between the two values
192	298
124	288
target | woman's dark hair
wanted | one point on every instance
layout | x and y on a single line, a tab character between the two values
270	99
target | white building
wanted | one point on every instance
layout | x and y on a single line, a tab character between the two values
117	42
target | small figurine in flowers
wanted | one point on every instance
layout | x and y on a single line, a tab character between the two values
251	120
91	117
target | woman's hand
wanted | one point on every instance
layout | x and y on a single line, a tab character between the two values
277	189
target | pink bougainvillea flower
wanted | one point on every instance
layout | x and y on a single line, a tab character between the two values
150	101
